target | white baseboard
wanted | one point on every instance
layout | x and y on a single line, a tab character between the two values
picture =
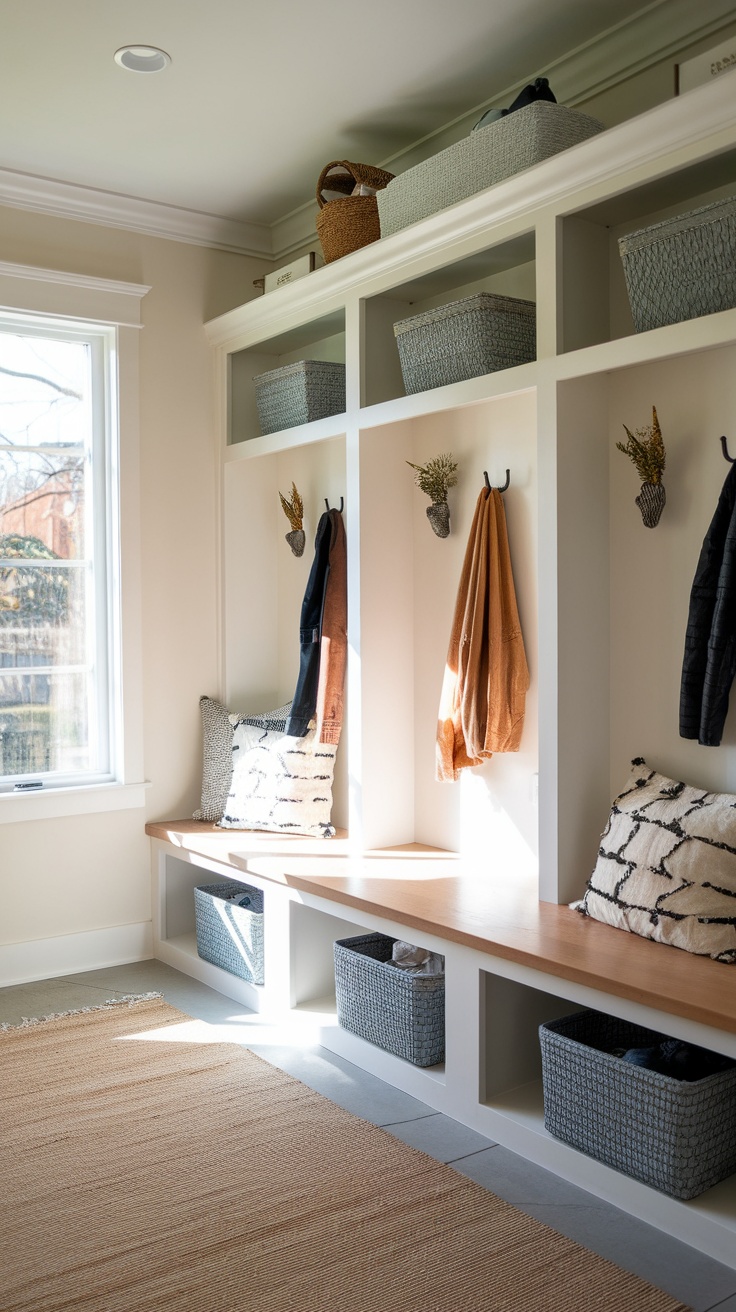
21	963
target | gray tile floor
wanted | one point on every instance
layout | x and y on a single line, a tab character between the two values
701	1283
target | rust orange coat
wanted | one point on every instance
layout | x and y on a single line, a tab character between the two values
486	677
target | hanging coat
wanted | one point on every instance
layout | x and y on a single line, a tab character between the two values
322	650
486	676
709	663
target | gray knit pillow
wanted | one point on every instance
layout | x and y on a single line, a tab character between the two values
217	758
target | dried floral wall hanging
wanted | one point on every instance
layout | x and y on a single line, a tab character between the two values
645	448
434	479
293	508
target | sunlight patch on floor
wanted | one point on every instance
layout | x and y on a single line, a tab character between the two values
299	1029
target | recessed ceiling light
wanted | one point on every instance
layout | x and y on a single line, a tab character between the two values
142	59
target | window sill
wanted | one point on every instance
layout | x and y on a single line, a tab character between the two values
58	802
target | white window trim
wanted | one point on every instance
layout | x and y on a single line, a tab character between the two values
49	292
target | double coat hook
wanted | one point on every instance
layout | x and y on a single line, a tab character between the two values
342	504
724	449
499	489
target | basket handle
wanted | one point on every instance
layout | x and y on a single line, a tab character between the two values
340	182
356	173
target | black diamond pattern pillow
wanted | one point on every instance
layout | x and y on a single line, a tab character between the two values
666	866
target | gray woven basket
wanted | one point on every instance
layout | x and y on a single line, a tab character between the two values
403	1013
682	268
676	1135
482	159
463	339
228	935
299	393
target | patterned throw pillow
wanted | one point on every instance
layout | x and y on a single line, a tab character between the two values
218	726
279	782
217	758
666	866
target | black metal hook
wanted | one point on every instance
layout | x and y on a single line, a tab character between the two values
498	489
724	448
342	504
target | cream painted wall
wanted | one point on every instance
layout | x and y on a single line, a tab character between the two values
69	876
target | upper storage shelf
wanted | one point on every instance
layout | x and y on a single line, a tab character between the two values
548	234
319	339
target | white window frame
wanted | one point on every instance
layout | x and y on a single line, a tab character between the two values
111	312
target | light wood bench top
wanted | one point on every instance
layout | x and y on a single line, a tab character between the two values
456	901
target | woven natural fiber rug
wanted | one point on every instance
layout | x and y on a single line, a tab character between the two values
143	1171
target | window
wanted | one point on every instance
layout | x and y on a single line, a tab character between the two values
59	603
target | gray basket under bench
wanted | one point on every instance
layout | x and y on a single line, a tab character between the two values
678	1136
388	1006
229	924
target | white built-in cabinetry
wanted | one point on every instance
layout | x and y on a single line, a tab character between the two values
603	600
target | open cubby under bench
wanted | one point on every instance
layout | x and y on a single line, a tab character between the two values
512	963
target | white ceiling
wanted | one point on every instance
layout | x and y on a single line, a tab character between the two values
259	96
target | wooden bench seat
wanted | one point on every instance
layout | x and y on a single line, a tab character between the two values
443	895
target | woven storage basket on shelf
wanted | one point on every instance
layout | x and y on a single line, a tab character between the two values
677	1135
482	159
348	222
228	935
398	1011
682	268
478	335
298	393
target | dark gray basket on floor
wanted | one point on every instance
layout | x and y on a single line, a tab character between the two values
463	339
682	268
678	1136
403	1013
482	159
228	935
298	393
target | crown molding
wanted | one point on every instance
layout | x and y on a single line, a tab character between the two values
68	201
663	29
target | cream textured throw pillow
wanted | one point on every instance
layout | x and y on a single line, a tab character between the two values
666	867
218	726
280	783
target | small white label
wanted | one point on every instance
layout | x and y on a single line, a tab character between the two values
704	68
290	272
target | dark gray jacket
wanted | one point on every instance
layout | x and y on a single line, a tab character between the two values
709	663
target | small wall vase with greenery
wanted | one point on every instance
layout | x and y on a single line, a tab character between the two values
293	508
645	448
434	479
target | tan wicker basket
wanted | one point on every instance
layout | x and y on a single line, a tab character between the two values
349	222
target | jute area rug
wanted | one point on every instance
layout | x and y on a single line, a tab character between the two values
144	1171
